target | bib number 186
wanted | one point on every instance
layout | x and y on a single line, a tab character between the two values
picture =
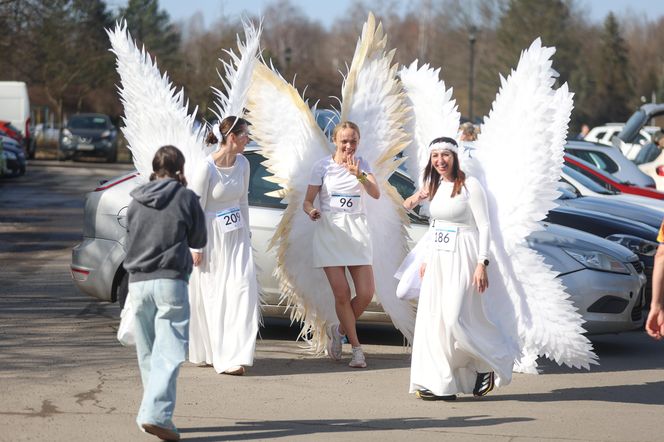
444	237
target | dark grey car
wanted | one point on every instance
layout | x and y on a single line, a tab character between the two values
88	135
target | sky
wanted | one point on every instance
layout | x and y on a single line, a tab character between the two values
326	11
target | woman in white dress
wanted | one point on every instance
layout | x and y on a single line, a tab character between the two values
456	348
341	238
223	288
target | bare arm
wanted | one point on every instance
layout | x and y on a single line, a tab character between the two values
308	205
655	321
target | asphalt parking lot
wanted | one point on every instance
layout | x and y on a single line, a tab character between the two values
64	377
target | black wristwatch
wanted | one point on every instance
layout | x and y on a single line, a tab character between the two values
485	263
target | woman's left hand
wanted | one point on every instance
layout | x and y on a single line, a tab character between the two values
353	166
480	279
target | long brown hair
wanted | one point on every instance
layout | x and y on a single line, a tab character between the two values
229	125
168	161
432	177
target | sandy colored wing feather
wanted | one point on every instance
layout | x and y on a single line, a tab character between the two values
155	113
290	139
520	151
372	99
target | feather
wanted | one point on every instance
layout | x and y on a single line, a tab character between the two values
294	142
238	74
433	112
520	149
373	100
155	113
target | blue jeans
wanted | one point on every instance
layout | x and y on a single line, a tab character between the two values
162	339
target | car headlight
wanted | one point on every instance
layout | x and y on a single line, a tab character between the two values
595	260
637	245
66	132
9	155
106	134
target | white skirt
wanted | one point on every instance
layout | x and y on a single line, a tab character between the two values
223	294
342	239
454	339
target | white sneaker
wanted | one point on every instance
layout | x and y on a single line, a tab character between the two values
334	347
358	360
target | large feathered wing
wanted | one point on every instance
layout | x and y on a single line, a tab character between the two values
520	151
433	114
238	73
155	113
372	99
285	128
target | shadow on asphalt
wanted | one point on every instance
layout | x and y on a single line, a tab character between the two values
290	428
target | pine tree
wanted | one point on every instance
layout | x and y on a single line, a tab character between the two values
614	97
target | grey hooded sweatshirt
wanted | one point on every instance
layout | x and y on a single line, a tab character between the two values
164	220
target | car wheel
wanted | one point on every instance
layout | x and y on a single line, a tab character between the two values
122	290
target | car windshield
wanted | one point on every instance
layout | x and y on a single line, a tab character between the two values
587	182
88	122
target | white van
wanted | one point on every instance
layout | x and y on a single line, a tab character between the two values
15	108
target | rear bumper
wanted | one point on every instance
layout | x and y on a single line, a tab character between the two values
94	264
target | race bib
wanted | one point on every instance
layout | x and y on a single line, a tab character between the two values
345	203
444	237
230	219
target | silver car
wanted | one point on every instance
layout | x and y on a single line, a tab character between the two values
605	280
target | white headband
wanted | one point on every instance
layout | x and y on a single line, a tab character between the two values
443	146
217	133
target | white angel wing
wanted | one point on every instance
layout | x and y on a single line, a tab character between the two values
155	114
372	99
285	128
520	150
433	114
238	74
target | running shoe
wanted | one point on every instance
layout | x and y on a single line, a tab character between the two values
358	360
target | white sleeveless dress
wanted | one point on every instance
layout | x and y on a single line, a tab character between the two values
223	290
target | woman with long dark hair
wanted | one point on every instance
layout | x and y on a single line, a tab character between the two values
224	289
456	348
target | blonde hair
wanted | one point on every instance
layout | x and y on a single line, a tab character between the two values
345	125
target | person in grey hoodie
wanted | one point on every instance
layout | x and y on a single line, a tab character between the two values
164	220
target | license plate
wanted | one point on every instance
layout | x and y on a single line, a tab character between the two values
85	147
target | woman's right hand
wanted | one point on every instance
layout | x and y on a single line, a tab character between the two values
423	268
314	214
197	257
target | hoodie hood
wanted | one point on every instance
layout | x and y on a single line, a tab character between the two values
156	194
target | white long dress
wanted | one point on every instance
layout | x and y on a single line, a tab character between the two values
223	290
454	340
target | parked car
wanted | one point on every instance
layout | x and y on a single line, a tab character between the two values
604	279
14	161
632	226
610	160
9	130
605	135
582	185
15	108
88	135
609	181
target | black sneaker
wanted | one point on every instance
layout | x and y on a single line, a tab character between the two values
484	384
427	395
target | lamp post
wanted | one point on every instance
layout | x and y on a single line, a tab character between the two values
471	70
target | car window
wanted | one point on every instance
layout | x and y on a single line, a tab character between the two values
88	122
585	181
258	186
406	188
592	177
600	135
599	159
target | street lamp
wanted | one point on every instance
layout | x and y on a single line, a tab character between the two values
471	71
